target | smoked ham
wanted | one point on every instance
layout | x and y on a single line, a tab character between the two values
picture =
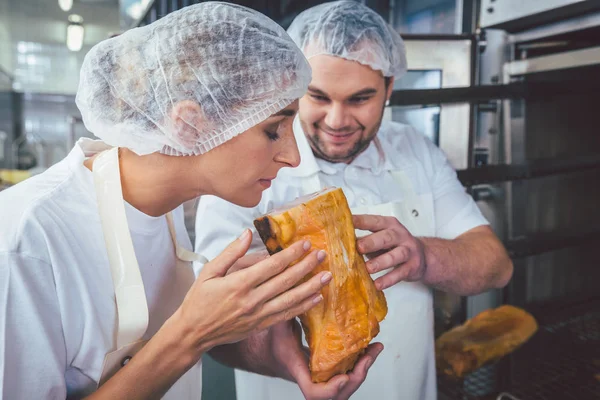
486	337
340	327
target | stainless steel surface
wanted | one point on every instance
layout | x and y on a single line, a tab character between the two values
8	117
424	119
453	60
556	28
495	12
488	134
554	127
3	139
75	125
566	60
6	80
426	16
48	128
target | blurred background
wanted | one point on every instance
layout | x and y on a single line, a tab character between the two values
508	89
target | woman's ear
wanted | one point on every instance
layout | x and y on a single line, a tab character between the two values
188	122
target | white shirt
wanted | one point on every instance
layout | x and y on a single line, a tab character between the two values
57	307
367	181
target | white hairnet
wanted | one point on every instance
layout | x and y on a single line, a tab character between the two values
235	63
353	31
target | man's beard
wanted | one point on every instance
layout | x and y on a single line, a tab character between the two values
319	148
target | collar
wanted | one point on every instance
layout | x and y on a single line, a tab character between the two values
374	158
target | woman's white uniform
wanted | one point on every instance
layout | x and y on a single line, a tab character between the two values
59	324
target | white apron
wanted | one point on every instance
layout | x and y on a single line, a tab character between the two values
405	369
130	297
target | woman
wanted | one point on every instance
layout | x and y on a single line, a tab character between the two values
94	259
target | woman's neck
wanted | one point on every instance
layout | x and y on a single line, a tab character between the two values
155	184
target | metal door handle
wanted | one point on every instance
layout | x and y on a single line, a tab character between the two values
505	395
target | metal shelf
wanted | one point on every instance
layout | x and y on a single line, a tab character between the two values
484	93
561	361
535	169
543	243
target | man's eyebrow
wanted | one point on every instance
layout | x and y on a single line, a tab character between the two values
364	92
317	91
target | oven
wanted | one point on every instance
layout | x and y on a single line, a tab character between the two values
534	170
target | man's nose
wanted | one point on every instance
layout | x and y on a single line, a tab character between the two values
336	117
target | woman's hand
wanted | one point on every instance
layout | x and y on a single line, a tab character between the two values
225	307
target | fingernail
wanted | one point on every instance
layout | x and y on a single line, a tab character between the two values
372	266
369	363
244	235
321	255
306	245
342	385
326	277
318	299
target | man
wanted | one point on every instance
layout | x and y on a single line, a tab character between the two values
426	231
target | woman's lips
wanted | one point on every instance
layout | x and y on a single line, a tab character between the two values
266	183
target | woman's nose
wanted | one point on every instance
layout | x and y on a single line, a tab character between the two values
289	153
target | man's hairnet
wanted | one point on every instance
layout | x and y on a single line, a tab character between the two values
235	63
353	31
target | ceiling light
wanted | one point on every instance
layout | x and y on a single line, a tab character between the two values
65	5
76	19
75	33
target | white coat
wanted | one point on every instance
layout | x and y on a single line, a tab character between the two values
400	174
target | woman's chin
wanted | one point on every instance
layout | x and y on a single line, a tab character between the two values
247	200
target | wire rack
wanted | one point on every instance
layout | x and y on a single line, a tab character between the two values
561	361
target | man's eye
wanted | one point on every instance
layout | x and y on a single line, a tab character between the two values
358	100
319	98
273	136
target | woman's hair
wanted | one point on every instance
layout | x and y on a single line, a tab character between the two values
235	63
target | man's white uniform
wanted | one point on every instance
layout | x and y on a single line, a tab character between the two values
400	174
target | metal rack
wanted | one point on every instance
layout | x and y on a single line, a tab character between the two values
561	361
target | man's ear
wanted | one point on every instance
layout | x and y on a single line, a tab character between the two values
389	88
188	120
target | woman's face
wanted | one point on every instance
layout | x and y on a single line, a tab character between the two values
243	167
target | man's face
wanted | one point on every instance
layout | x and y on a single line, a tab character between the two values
342	110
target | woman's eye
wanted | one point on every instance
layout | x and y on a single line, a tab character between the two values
273	136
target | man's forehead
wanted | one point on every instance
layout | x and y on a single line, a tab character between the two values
340	76
362	53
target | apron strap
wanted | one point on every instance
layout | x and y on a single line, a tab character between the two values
182	253
411	199
130	297
411	203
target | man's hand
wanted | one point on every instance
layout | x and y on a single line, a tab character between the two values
286	343
390	246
